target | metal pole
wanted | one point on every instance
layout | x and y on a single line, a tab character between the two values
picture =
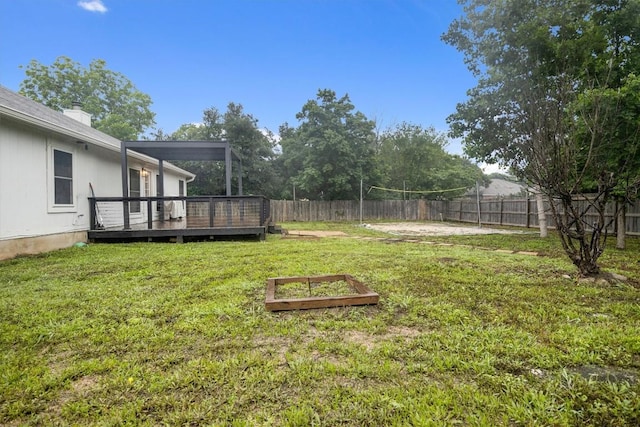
240	190
227	168
478	200
361	200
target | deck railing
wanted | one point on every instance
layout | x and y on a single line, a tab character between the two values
178	212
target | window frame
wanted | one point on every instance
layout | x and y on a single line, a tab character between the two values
52	206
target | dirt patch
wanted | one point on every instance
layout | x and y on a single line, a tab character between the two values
409	229
435	229
78	390
403	331
315	233
360	338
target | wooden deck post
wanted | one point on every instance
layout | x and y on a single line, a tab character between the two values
92	213
149	215
161	188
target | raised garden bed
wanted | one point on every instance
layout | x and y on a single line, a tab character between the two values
305	292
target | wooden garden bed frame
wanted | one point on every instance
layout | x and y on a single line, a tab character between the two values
364	296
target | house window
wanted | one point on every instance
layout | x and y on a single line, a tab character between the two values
134	190
180	187
62	178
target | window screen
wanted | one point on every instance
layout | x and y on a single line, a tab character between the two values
63	177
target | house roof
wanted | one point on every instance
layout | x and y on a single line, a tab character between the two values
30	112
501	187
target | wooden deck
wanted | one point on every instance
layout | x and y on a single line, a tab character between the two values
201	218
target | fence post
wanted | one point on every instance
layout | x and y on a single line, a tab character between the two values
361	198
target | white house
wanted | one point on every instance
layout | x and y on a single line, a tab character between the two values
48	160
499	188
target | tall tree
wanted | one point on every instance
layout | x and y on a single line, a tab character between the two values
541	67
331	150
415	158
118	108
254	146
256	149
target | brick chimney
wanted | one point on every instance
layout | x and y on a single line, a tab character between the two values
76	113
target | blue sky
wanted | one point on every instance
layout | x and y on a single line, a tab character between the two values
269	55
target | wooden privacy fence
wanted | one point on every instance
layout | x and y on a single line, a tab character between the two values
512	212
523	213
348	210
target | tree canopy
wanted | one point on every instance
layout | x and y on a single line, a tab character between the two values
256	149
117	107
414	158
326	156
331	150
254	146
554	102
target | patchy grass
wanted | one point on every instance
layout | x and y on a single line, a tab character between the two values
149	334
314	289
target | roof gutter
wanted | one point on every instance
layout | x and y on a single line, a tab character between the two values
115	147
26	118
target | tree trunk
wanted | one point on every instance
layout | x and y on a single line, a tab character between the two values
588	268
582	247
542	216
621	225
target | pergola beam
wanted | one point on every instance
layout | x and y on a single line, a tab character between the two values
179	150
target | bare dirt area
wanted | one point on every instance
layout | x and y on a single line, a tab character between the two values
315	233
435	229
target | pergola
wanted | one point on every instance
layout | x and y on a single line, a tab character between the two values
179	150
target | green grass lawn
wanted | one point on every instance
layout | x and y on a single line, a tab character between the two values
177	334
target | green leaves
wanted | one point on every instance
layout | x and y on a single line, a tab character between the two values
550	103
253	146
331	150
117	107
415	158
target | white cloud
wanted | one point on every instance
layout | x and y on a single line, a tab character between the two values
93	6
272	136
489	168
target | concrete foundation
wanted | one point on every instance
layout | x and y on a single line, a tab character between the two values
36	245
